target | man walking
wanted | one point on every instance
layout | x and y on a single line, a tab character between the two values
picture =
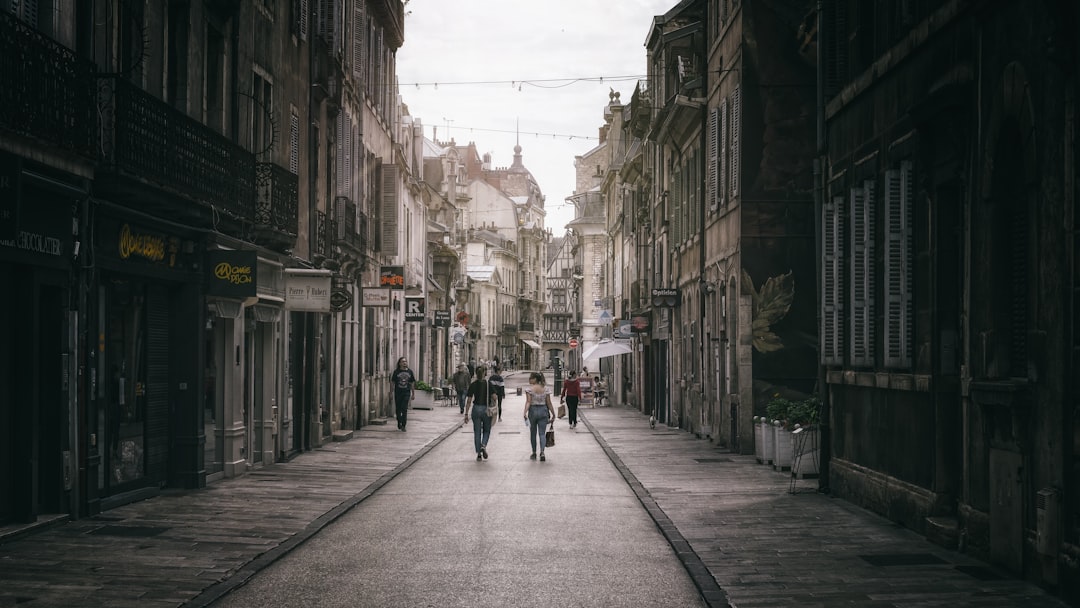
404	383
461	380
498	391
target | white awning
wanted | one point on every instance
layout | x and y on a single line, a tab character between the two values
531	343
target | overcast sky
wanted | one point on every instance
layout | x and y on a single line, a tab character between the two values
509	65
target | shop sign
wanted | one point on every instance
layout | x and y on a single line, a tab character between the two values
376	297
442	318
232	274
639	324
665	298
340	300
414	308
623	328
392	277
307	290
10	170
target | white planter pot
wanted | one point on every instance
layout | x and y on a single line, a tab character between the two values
759	441
781	449
768	441
806	456
423	400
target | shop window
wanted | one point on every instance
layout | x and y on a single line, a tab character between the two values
126	362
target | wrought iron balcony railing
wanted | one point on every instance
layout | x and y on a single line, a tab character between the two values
527	326
47	92
351	225
277	201
145	138
325	231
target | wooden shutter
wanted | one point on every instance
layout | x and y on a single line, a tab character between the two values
676	206
339	164
711	192
388	242
294	142
832	296
862	286
359	37
303	18
159	312
736	127
721	179
898	310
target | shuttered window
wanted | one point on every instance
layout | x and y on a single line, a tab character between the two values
862	275
359	37
832	296
711	178
721	179
736	127
898	268
294	142
388	233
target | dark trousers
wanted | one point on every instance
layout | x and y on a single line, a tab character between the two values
571	407
401	407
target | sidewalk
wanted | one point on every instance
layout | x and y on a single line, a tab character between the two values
743	537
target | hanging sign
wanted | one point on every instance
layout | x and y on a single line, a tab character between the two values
442	318
376	297
307	290
392	277
414	308
231	274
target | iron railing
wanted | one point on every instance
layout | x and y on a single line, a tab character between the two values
278	199
47	93
325	231
146	138
351	225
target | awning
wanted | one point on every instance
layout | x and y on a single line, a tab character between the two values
532	343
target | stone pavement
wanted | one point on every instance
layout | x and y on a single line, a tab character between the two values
744	538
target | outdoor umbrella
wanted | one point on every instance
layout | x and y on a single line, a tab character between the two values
606	348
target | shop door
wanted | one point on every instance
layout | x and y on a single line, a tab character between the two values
254	401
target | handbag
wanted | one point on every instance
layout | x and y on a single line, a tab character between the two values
549	437
562	411
492	409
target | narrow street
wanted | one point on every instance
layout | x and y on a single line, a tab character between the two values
508	531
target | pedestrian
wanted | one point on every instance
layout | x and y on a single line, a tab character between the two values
461	380
538	412
404	383
601	390
498	391
472	367
571	394
479	399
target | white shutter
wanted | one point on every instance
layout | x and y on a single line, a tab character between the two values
339	164
676	207
721	179
388	244
711	191
736	128
832	268
359	36
862	284
898	270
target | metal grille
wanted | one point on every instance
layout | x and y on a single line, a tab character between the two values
278	198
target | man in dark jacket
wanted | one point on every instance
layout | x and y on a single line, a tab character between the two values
461	380
498	390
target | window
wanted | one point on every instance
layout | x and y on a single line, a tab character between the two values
734	152
262	114
898	269
832	297
862	274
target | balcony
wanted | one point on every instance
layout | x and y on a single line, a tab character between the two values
147	140
276	204
509	328
324	237
351	226
48	93
527	326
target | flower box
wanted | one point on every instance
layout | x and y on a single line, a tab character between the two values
768	441
781	448
759	440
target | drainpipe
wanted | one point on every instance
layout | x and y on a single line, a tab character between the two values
819	194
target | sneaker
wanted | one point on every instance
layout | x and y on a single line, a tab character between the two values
479	457
542	459
483	451
533	456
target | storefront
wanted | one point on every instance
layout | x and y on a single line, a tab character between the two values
38	210
145	414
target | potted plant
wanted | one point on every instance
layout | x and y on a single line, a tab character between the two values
424	396
777	412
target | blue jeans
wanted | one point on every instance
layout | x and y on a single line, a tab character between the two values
538	422
481	426
461	397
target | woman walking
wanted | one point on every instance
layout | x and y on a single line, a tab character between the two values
538	411
478	399
571	394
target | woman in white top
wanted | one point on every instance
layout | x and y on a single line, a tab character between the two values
538	411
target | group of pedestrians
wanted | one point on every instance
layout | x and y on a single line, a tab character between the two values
480	400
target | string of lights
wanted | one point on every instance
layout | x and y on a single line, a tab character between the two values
543	83
535	134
